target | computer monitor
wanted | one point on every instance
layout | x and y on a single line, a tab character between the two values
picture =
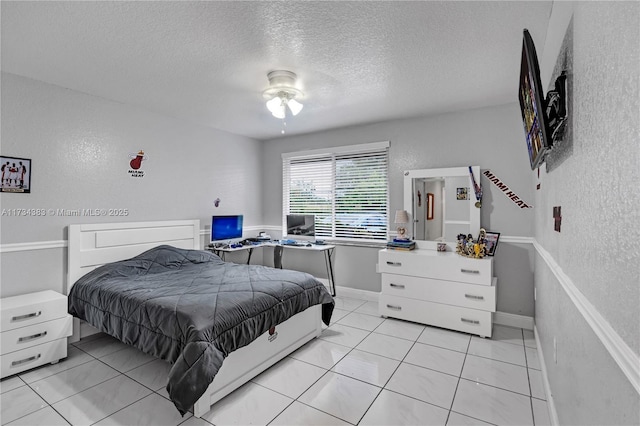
226	227
301	226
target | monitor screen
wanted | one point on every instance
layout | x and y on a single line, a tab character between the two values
226	227
301	225
532	104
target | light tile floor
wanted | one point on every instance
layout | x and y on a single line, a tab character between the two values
363	370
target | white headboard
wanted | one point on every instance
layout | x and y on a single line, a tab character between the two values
95	244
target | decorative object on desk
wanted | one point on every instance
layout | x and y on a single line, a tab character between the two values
491	242
468	247
402	217
15	174
263	236
401	244
462	193
477	189
429	206
441	245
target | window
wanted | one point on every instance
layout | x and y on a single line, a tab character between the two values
346	188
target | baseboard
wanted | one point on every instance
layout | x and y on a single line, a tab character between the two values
553	414
513	320
371	296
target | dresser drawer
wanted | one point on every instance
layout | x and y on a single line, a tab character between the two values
24	337
456	318
437	265
25	359
449	292
32	308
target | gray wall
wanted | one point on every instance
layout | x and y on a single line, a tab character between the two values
80	145
594	178
489	137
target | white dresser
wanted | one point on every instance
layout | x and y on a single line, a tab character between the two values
438	288
34	328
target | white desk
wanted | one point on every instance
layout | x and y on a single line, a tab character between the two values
327	249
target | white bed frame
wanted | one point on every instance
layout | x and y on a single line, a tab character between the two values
92	245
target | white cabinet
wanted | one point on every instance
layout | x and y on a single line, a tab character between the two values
33	331
438	288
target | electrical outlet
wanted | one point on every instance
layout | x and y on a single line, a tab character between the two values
555	350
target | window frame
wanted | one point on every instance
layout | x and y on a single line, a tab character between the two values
333	155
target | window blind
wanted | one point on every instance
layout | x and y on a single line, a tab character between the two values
346	190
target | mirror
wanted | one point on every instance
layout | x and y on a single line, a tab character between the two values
441	203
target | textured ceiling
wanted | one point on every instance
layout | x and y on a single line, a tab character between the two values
357	62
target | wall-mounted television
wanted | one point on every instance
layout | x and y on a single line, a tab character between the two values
301	225
226	227
532	104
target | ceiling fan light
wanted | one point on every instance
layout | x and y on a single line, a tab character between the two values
276	106
294	106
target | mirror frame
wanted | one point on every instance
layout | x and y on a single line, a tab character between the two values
474	212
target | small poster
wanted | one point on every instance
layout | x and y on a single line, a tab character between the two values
135	164
16	174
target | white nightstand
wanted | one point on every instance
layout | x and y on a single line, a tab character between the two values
33	329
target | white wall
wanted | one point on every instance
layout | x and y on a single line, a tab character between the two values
595	178
491	138
80	145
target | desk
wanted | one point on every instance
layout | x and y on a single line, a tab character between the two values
327	249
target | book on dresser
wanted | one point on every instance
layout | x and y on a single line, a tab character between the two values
397	244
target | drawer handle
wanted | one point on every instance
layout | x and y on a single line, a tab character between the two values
22	361
33	336
394	263
470	271
395	308
473	296
469	321
27	316
396	285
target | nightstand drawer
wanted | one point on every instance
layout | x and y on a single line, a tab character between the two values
449	292
37	334
456	318
25	359
32	308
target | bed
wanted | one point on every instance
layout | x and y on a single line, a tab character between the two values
148	285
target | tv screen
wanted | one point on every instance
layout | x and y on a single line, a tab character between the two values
301	225
226	227
531	98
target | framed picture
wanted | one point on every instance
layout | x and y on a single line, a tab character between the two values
492	242
15	174
429	206
462	193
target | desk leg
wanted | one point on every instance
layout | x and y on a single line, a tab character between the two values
327	259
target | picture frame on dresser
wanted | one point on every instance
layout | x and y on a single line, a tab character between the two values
491	239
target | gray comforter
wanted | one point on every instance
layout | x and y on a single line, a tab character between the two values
191	308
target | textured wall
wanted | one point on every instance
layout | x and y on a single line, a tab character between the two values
80	146
596	184
489	137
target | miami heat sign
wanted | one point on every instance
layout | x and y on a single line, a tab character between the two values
135	164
